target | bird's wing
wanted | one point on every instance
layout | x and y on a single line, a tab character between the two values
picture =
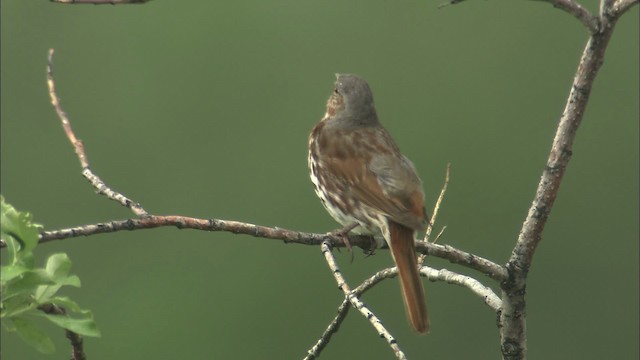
386	182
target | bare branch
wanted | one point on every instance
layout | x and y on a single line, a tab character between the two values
449	2
571	6
333	327
436	208
487	267
66	124
358	304
447	252
579	12
77	346
513	314
619	7
96	182
100	2
486	293
184	222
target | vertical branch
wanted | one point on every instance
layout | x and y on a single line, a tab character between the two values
77	346
512	317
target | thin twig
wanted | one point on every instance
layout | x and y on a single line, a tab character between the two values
619	7
440	234
436	208
96	182
100	2
484	292
579	12
449	2
456	256
476	287
77	347
333	327
358	304
570	6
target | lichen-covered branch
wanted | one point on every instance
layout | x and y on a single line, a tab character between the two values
512	317
579	12
78	146
476	287
357	304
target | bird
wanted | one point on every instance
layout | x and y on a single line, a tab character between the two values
368	186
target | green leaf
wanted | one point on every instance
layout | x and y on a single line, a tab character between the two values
32	335
27	282
66	303
16	304
58	267
13	246
19	226
84	326
9	272
9	326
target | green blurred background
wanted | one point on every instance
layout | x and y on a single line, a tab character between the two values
202	108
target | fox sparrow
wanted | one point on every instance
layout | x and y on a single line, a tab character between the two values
362	178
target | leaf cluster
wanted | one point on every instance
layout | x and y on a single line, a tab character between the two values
27	290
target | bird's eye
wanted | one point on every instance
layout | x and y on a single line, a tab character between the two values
335	90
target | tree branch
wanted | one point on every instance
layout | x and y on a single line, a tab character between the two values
579	12
333	327
619	7
477	288
512	317
77	347
487	267
358	304
436	208
456	256
96	182
570	6
100	2
486	293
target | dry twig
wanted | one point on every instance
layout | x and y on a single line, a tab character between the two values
358	304
96	182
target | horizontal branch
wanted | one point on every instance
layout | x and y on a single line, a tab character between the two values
487	267
100	2
477	288
447	252
183	222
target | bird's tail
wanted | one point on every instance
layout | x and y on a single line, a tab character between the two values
404	254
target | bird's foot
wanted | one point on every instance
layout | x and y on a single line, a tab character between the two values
343	233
